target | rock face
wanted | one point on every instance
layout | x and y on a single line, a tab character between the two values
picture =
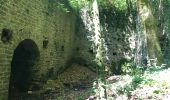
133	35
150	34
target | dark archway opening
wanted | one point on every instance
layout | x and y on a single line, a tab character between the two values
24	61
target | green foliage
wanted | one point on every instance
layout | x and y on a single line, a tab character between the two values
120	4
75	4
149	85
149	82
129	87
153	69
127	68
131	69
78	4
136	81
157	91
62	7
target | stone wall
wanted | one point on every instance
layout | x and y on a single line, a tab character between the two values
83	51
118	36
162	15
129	36
35	19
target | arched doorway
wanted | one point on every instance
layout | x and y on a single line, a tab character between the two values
25	57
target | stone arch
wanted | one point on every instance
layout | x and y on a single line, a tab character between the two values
25	57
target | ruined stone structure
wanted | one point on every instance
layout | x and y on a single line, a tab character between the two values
39	40
32	23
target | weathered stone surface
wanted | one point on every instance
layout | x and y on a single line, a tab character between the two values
28	20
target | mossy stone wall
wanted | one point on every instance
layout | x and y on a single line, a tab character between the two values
35	19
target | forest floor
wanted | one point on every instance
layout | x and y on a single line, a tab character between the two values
77	83
74	83
153	84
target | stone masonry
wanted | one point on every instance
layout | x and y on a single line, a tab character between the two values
35	19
